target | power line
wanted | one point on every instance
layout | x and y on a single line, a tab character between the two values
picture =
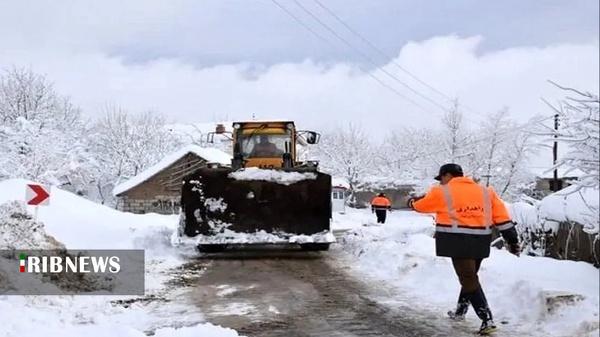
327	41
381	52
390	58
366	57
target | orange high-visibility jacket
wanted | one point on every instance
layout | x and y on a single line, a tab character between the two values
381	203
465	207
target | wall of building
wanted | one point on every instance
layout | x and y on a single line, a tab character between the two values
161	193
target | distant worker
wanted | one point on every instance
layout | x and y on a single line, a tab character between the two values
380	205
466	212
264	148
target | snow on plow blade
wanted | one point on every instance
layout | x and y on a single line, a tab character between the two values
257	206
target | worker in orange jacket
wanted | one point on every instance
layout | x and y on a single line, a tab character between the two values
466	212
380	205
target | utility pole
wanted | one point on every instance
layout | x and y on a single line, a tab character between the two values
555	183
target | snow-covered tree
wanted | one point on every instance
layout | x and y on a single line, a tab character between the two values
42	133
579	113
124	144
348	153
455	134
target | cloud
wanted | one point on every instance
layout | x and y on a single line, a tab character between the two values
323	95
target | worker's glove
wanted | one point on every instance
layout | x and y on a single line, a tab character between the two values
412	200
514	249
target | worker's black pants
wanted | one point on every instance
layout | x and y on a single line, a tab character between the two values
471	291
381	214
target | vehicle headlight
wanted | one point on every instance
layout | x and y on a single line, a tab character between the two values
236	126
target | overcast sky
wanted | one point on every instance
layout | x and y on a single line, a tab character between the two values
209	60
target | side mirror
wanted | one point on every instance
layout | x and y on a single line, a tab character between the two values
312	137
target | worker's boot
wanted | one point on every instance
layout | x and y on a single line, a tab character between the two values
483	311
462	306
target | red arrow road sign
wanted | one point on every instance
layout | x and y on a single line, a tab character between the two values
37	195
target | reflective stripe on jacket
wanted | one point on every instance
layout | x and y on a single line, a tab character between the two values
465	214
381	203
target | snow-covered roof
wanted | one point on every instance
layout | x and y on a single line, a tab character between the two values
340	182
211	155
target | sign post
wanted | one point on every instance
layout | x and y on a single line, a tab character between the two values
37	195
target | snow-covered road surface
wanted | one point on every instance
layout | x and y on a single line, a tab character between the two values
284	292
377	280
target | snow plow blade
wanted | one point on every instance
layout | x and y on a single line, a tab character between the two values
222	206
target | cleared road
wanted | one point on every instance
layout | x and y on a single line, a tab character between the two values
280	292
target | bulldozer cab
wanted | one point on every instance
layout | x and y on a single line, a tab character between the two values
264	145
269	145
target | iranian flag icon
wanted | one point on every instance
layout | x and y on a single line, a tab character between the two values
22	258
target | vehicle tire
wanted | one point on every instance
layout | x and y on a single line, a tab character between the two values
315	247
211	248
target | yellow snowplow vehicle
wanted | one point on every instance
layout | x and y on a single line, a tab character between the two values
266	196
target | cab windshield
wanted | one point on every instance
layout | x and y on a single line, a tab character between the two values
263	145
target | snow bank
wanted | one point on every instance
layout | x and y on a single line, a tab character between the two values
524	215
580	205
82	224
62	316
401	253
18	230
276	176
211	155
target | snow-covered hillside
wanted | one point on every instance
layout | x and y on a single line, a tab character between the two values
81	224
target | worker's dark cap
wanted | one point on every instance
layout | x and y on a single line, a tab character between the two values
453	169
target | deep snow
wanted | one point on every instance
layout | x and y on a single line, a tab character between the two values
401	254
82	224
398	255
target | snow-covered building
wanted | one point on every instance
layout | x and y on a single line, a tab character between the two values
545	179
157	189
339	191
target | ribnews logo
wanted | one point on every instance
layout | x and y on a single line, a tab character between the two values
72	272
78	264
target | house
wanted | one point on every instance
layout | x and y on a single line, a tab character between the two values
157	189
544	182
339	192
